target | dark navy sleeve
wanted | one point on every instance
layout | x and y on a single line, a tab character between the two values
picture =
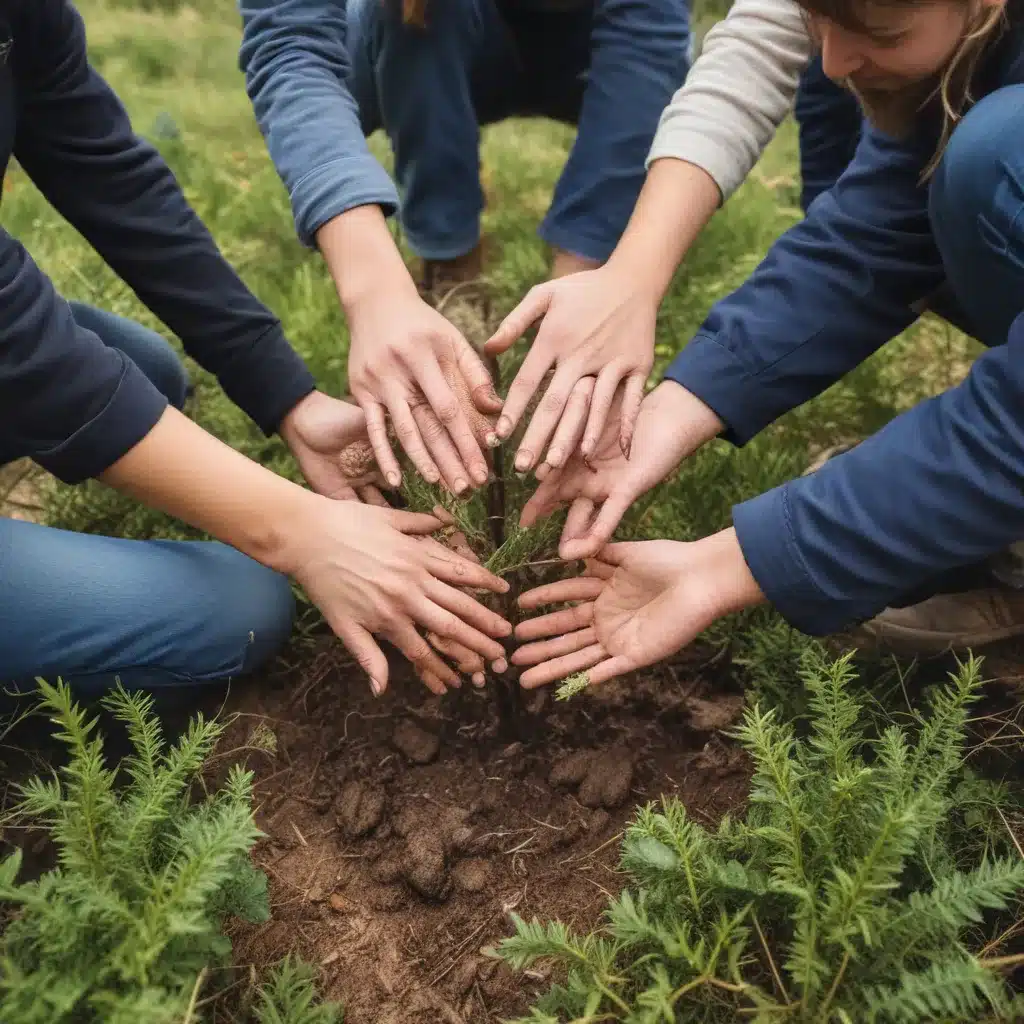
75	141
831	291
67	400
940	486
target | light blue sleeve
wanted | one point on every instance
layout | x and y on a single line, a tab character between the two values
296	66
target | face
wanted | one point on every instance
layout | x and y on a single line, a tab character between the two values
900	47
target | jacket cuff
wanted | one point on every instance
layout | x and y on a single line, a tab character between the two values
132	412
337	187
765	532
270	382
712	373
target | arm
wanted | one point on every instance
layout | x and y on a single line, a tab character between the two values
942	485
638	57
832	290
75	141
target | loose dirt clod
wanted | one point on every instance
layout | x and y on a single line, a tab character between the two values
572	769
416	744
360	808
609	777
472	875
424	868
712	715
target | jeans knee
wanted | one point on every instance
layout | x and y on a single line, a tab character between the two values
262	612
979	159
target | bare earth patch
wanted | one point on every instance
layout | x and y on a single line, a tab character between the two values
402	832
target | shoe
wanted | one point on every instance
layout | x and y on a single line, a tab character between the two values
946	622
440	276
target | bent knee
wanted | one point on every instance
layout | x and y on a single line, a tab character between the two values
981	155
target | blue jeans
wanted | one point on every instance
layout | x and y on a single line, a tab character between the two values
91	609
829	119
431	90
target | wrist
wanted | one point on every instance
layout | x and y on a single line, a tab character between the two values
727	579
692	421
363	259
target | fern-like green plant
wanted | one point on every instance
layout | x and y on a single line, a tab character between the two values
288	996
842	895
124	928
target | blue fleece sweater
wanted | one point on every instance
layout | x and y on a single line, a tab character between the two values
943	484
66	399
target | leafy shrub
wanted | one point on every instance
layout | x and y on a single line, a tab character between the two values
125	928
842	896
288	997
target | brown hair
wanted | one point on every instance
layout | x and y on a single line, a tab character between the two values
953	86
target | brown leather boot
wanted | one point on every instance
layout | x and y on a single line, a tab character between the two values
437	277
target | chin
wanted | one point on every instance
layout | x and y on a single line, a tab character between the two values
893	109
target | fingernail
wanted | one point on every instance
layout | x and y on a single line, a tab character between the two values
500	666
588	464
432	477
523	460
504	427
493	440
629	449
478	679
394	479
376	688
480	474
554	458
460	485
586	448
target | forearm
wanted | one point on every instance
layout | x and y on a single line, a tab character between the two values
676	203
362	257
180	469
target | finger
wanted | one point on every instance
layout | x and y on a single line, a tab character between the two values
615	506
522	389
361	645
577	522
598	570
436	438
544	500
559	647
571	426
632	399
545	418
371	495
446	407
434	684
534	305
562	668
414	524
478	377
377	431
604	394
409	437
404	636
542	471
556	623
461	572
579	588
609	669
441	621
467	608
469	662
617	554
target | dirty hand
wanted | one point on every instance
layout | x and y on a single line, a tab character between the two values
672	424
638	603
469	662
593	324
378	571
329	441
408	361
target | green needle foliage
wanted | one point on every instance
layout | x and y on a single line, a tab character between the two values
127	926
289	997
842	896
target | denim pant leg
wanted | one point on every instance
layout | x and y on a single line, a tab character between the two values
420	85
830	120
92	609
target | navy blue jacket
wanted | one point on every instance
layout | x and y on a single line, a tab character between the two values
66	399
943	484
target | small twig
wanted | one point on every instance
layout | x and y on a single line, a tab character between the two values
191	1008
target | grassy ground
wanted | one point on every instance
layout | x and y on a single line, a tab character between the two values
179	65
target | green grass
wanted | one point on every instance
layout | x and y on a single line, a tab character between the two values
169	60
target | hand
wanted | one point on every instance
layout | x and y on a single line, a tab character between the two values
407	360
328	439
595	324
672	424
377	571
639	603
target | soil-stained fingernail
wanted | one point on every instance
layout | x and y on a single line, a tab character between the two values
460	485
376	687
500	666
395	479
480	474
523	460
493	440
479	679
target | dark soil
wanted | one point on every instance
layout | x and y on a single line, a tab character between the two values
403	832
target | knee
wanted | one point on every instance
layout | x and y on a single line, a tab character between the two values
258	610
979	159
